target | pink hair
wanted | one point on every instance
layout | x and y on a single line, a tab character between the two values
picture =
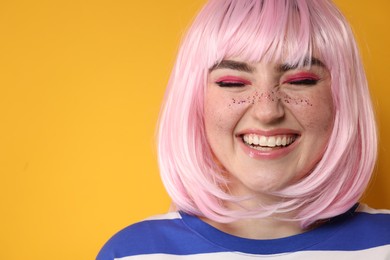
257	30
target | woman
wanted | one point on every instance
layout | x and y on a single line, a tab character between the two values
267	141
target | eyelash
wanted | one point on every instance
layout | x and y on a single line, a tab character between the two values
303	81
299	80
227	84
232	82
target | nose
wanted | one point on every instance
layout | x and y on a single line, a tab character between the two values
268	108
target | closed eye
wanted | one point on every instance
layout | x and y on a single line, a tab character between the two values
232	82
302	78
307	81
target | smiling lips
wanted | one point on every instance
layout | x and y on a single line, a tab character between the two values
260	142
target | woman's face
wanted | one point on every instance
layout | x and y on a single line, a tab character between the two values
267	123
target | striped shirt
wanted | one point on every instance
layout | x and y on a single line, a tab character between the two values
361	233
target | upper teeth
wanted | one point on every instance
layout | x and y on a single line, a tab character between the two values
269	141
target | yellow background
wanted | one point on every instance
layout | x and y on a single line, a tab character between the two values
80	89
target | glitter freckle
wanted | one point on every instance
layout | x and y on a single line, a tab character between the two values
272	96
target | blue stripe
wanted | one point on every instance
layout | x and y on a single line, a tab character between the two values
155	236
349	232
362	232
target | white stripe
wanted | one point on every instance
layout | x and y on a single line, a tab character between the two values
170	215
367	209
377	253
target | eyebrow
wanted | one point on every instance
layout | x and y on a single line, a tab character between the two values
245	67
234	65
306	62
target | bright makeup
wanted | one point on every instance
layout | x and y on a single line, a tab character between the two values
270	96
232	81
302	78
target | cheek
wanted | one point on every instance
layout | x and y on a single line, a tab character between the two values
314	112
213	113
220	113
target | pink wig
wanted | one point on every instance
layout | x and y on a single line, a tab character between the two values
257	30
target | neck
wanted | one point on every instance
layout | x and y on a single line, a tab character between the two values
265	228
268	227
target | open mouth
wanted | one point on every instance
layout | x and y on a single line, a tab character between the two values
266	143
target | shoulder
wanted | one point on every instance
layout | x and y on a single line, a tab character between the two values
373	218
142	237
369	226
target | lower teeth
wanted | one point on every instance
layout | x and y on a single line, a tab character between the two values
259	147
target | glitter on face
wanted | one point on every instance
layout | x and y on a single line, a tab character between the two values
273	96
